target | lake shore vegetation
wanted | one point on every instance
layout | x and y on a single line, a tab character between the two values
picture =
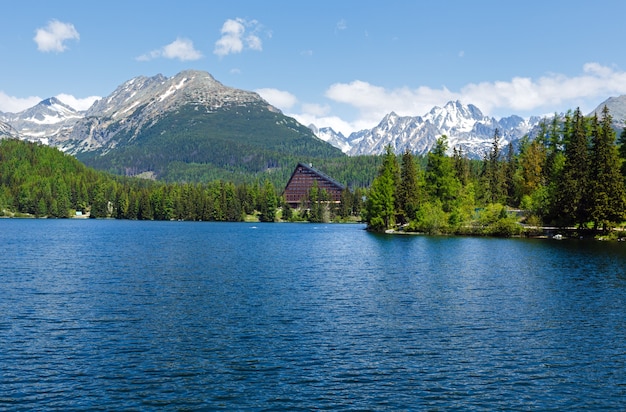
570	176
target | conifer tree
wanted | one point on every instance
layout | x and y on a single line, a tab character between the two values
380	204
509	174
461	166
622	151
268	202
530	167
440	179
606	189
493	174
407	199
570	203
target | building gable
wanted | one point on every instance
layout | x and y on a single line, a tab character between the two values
301	181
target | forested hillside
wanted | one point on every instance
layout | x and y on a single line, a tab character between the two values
572	175
195	146
41	181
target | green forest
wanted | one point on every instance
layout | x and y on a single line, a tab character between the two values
40	181
570	176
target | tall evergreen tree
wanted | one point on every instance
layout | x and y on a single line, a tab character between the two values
530	167
268	202
622	151
573	184
380	205
461	166
440	178
606	189
509	174
407	199
493	175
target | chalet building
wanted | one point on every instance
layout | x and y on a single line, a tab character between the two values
301	181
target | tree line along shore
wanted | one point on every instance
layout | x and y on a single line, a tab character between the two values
571	175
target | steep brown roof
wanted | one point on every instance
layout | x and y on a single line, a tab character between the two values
303	178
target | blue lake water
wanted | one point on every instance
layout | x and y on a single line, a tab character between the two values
123	315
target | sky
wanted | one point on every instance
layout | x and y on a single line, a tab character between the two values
340	64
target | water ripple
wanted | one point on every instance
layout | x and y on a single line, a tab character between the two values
107	315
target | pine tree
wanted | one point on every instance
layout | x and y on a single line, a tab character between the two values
509	174
530	168
380	205
440	179
493	174
571	207
606	189
407	199
461	166
268	202
622	151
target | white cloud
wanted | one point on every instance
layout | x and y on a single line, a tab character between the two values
238	35
554	91
77	103
181	49
54	35
342	24
281	99
520	95
11	104
335	122
316	109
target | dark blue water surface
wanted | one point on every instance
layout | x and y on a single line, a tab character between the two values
119	315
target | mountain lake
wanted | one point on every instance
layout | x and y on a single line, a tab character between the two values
129	315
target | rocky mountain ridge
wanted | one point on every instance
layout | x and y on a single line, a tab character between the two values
7	131
50	118
465	126
134	105
140	102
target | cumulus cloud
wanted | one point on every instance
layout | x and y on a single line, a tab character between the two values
279	98
77	103
520	95
238	35
316	109
11	104
181	49
54	35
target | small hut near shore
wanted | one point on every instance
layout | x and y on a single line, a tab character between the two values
302	180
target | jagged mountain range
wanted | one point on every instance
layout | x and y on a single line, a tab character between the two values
157	126
465	125
140	103
134	105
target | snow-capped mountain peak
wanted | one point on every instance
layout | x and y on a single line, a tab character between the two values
50	117
465	126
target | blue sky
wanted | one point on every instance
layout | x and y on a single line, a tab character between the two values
343	64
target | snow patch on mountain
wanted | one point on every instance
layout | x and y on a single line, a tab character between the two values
47	120
7	131
465	126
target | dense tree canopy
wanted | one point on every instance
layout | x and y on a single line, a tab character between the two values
571	175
